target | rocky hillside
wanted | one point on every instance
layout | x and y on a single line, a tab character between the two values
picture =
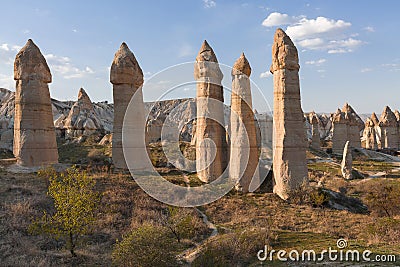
76	119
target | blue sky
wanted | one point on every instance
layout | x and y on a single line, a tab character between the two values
348	49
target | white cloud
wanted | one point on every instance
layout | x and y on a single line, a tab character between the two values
277	19
337	51
7	81
308	28
366	70
369	29
315	43
265	74
4	47
320	33
318	62
392	66
209	3
61	65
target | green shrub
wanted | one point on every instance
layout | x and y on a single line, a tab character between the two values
182	223
75	204
384	199
147	245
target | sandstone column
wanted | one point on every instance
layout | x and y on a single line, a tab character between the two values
339	131
389	129
127	78
347	162
375	120
211	148
244	152
265	124
370	135
34	134
315	139
290	143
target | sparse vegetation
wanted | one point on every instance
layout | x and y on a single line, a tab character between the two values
147	245
245	222
75	204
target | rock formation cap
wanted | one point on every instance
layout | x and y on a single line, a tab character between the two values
30	64
284	53
206	65
374	119
241	66
84	99
125	69
388	119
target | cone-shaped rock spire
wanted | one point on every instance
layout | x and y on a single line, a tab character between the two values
243	165
125	69
127	79
211	160
284	53
289	160
34	133
30	64
241	66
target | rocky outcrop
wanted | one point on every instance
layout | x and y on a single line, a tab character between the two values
211	147
389	129
127	79
347	162
355	125
6	119
346	127
315	135
34	133
369	135
289	160
264	124
82	120
179	111
243	164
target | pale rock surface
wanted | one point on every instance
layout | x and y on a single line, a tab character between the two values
34	133
369	135
211	146
290	143
264	122
315	135
82	119
355	126
127	79
243	164
339	131
347	162
389	129
106	140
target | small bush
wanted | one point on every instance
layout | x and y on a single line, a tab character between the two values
75	203
182	223
383	200
145	246
234	249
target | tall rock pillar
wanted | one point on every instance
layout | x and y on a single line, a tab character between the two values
315	138
127	78
34	133
389	129
290	142
211	148
243	162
